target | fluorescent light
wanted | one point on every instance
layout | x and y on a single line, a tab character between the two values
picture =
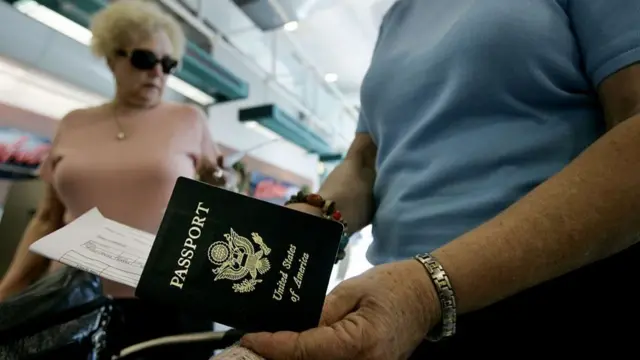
189	91
291	26
255	126
55	21
38	92
83	35
331	77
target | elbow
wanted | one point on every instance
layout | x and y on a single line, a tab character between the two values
43	223
51	211
47	218
363	153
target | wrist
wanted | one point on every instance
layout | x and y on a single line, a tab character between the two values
427	296
323	208
306	208
445	298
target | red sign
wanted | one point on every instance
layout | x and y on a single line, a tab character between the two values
19	152
269	189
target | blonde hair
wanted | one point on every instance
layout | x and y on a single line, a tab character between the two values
126	22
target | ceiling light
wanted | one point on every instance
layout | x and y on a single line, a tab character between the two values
321	168
290	128
55	21
255	126
83	35
291	26
190	91
331	77
20	85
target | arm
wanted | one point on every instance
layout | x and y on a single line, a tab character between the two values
27	267
350	184
587	212
210	157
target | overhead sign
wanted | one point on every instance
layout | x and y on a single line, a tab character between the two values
21	153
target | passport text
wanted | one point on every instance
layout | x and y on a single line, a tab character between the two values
189	247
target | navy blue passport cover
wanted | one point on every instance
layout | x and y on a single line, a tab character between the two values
240	261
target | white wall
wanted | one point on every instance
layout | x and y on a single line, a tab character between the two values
274	53
229	131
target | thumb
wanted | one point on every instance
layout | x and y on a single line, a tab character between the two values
340	302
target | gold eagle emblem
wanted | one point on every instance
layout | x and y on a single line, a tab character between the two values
236	257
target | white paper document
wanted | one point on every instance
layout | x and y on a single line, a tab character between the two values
100	246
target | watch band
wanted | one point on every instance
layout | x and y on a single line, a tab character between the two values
446	295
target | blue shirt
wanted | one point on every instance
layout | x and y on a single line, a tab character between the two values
473	103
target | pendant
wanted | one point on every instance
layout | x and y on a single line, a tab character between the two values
121	135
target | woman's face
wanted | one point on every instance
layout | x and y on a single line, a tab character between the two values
141	71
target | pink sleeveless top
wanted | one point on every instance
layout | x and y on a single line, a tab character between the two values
130	180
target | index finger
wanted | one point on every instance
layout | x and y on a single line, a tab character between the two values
342	340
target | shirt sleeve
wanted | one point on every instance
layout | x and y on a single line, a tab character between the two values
362	126
608	34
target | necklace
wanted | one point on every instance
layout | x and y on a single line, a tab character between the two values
121	135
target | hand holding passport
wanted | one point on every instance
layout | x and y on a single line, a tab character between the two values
240	261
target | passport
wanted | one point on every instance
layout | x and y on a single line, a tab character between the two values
240	261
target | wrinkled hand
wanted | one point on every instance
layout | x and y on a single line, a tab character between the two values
382	314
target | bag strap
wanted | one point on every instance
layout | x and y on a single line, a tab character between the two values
218	340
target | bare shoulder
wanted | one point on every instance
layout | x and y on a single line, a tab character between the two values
186	111
186	115
76	114
83	114
79	116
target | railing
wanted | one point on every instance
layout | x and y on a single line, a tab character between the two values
322	106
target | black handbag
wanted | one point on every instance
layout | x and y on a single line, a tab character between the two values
53	311
61	290
64	317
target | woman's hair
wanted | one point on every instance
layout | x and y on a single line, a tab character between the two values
126	22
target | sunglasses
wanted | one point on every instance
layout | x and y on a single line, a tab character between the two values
147	60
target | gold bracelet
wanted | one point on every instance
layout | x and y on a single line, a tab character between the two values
446	295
